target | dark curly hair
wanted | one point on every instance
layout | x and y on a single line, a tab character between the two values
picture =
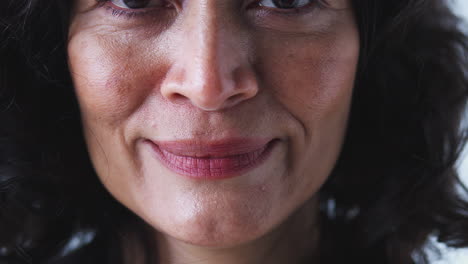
395	183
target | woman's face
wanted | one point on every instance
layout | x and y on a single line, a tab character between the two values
213	120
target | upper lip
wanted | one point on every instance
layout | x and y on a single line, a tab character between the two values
213	148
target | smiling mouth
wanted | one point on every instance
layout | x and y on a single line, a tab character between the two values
212	160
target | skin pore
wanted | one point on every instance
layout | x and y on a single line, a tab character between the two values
205	71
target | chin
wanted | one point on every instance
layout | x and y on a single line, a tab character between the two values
221	225
212	235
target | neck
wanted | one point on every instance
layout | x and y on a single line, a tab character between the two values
292	241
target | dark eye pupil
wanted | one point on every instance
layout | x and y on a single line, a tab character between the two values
286	4
135	4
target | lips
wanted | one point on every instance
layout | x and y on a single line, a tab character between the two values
214	159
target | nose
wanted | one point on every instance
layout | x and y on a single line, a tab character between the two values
210	68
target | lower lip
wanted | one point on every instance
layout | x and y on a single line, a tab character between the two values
213	168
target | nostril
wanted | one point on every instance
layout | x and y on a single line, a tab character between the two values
208	88
235	98
177	98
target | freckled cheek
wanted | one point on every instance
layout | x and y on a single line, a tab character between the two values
109	87
314	87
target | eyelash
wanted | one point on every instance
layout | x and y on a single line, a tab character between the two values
117	12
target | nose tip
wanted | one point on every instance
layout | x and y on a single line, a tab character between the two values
209	89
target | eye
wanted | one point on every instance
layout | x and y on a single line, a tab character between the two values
285	4
138	4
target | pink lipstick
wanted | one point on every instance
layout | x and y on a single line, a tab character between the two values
211	160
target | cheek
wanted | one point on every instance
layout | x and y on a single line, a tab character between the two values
313	79
111	79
